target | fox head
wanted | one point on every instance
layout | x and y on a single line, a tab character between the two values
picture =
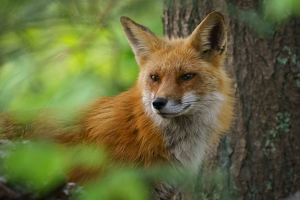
180	74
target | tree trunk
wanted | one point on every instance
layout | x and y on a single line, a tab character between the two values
260	157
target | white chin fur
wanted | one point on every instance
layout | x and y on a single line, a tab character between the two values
186	132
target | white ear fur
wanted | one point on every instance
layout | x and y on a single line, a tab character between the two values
210	35
141	39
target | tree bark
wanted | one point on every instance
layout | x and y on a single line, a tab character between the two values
260	157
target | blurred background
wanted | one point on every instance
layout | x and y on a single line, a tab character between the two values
64	53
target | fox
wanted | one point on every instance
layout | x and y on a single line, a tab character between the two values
178	109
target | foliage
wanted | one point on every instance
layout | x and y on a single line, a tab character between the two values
64	53
279	11
41	168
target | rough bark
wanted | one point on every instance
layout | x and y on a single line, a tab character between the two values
260	157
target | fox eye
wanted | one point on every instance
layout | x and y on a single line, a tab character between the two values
187	77
154	78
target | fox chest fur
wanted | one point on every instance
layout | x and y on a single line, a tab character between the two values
186	137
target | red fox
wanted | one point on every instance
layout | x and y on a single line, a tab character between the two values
181	104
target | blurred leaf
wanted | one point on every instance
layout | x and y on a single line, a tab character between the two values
65	53
121	185
38	164
86	156
279	10
43	166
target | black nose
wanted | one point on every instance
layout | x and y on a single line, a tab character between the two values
159	103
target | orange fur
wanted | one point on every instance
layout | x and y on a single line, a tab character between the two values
128	133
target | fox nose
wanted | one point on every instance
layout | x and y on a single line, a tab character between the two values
159	103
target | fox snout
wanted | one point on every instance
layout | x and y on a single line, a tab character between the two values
159	103
168	108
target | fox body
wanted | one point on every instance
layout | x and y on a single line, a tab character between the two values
181	104
178	108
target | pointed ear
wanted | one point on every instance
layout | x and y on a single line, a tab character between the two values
141	39
210	37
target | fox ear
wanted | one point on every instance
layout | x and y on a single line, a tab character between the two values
141	39
210	37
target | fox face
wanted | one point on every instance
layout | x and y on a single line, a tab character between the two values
175	80
180	76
